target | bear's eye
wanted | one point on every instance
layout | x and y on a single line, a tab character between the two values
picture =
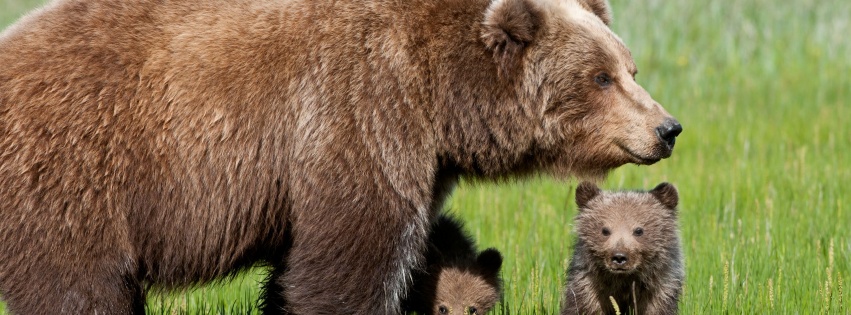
603	79
472	310
638	231
443	310
606	232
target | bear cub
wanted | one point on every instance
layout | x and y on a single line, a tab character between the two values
628	249
456	279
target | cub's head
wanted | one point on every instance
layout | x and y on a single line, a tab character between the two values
625	231
579	80
469	290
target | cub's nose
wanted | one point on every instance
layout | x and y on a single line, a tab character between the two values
668	132
619	258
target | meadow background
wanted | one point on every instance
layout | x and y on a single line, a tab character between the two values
763	90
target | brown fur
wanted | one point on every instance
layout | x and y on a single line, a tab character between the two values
173	143
650	279
456	279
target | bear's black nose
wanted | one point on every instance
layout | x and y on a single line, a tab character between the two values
619	259
668	132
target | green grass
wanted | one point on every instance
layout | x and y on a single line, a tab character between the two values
763	167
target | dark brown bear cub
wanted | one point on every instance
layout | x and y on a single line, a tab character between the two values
627	249
456	280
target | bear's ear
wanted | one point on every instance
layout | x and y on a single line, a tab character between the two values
489	262
509	26
667	195
600	8
585	192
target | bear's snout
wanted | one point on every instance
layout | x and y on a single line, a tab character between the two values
619	259
668	132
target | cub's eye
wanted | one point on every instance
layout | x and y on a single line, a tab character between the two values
603	79
606	232
638	231
443	310
472	310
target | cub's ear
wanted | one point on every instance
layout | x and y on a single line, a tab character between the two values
585	192
600	8
667	195
489	262
509	26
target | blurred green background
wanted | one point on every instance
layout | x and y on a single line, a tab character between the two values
762	90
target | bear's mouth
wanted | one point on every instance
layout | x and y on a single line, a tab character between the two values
620	269
637	158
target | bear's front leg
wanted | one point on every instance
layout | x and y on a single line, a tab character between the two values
356	236
579	296
82	283
664	301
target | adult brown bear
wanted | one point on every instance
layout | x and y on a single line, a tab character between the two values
171	143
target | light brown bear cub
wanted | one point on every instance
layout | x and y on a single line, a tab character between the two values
627	248
456	280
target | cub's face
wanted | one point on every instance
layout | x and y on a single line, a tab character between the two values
461	292
623	231
594	115
469	291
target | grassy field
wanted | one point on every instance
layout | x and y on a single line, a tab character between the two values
763	90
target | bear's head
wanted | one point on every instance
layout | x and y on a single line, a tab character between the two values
469	289
577	78
624	231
